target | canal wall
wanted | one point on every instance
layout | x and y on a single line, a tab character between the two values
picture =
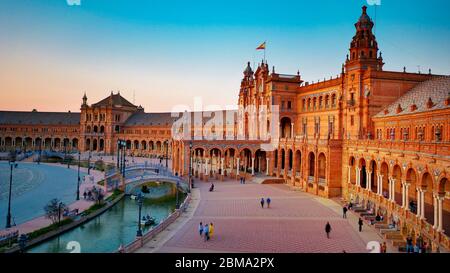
140	241
67	227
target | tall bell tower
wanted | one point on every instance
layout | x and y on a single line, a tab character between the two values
364	46
363	58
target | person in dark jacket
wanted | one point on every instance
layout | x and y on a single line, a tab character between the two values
328	229
360	224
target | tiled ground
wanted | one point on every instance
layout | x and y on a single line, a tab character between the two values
294	223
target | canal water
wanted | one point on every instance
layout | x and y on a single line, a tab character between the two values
33	186
115	227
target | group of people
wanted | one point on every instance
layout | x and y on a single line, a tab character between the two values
206	231
265	201
242	179
421	246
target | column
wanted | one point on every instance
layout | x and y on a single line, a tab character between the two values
404	204
440	201
278	159
253	166
358	182
435	208
422	204
419	202
381	184
222	171
286	163
349	174
237	166
267	165
292	130
407	195
369	180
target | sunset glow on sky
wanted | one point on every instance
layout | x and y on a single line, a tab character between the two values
167	52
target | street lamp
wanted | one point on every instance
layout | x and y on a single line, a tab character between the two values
12	163
140	201
118	152
40	150
167	152
78	183
177	203
89	162
190	166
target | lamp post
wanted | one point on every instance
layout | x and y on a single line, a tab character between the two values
190	166
89	162
118	152
167	153
8	216
78	183
124	146
40	150
177	202
139	231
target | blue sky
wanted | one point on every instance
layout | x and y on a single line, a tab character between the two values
167	52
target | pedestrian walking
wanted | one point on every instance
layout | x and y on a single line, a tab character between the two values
206	231
344	212
243	180
240	180
211	230
268	202
262	202
200	229
360	224
383	247
328	229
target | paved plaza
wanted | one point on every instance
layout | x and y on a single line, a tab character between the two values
295	222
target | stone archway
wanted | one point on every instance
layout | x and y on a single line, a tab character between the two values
322	168
311	166
397	176
285	127
411	179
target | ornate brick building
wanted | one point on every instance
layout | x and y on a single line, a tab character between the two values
372	136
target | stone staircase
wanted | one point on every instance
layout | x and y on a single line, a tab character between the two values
267	180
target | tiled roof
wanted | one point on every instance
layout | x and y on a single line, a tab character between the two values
155	119
114	100
438	89
39	118
163	119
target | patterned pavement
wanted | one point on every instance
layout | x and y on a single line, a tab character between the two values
294	223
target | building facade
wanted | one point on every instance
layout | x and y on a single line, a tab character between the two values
367	135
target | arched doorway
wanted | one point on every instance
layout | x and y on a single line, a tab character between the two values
352	170
285	127
128	144
397	176
88	144
215	156
362	173
373	176
136	145
427	185
246	157
311	166
260	161
444	190
322	168
94	145
101	144
411	179
384	172
291	158
298	162
283	157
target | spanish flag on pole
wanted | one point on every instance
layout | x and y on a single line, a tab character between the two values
261	46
